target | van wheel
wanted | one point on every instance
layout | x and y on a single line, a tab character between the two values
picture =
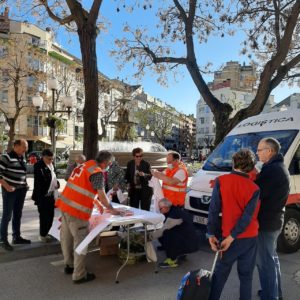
289	238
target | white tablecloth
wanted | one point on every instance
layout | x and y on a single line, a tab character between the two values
99	222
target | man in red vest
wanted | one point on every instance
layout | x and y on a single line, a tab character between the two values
76	203
174	178
237	197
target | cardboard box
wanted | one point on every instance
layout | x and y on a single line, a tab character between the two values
109	245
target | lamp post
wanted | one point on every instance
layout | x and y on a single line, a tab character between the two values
147	131
38	103
152	135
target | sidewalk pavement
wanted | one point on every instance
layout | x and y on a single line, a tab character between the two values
29	230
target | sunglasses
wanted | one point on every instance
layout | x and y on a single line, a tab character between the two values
139	156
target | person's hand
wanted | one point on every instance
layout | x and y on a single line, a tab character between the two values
214	243
154	173
10	188
141	173
115	212
225	244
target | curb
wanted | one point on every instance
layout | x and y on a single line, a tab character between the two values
35	249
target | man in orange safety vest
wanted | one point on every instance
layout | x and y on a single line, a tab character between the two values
174	179
76	203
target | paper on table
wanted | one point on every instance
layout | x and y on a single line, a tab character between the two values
82	248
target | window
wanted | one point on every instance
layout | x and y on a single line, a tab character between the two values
35	40
3	51
3	96
202	120
207	110
221	158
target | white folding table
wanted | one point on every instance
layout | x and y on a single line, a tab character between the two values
104	222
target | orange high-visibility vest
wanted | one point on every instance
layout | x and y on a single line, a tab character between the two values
78	195
176	193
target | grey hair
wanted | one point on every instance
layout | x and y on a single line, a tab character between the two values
81	156
165	202
273	144
104	156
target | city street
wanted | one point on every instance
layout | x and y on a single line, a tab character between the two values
42	277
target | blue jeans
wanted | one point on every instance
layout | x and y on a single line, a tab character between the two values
13	203
268	265
244	252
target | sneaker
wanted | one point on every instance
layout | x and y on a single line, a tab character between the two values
88	277
46	239
43	239
69	270
168	263
20	241
6	246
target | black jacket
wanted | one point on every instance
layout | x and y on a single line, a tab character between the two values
130	172
42	181
274	184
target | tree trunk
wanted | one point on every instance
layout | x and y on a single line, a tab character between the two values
87	38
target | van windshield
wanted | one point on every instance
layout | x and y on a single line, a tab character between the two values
220	159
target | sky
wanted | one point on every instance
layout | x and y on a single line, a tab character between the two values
182	94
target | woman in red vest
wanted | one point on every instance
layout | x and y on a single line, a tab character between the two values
237	197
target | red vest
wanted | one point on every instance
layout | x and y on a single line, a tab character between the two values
236	191
176	193
78	195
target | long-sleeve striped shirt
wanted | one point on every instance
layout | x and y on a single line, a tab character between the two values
13	169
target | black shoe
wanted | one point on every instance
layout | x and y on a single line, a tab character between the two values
259	294
6	246
88	277
21	241
69	270
160	248
182	257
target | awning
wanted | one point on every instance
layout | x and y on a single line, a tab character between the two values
67	142
45	140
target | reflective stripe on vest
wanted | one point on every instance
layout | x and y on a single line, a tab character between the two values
78	195
75	205
172	188
80	190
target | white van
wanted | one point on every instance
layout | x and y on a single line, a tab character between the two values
285	127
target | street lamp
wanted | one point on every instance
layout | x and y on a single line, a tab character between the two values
147	130
38	103
152	135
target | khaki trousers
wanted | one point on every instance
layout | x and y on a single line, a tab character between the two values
73	231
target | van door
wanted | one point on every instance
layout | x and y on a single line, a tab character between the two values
295	172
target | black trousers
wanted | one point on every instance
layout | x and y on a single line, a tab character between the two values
46	211
141	197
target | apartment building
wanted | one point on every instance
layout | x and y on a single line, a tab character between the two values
235	85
